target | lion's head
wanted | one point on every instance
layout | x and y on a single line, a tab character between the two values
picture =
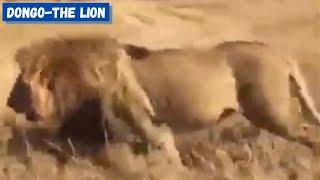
64	73
72	82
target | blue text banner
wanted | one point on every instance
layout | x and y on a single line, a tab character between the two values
73	12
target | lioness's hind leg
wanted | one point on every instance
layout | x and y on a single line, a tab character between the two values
264	96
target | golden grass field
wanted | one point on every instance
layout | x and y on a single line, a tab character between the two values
289	25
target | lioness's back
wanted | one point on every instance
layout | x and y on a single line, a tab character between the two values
193	87
188	88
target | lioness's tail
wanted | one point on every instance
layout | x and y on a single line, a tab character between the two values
306	101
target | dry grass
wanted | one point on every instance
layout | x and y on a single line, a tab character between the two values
236	150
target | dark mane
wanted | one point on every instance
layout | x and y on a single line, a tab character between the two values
84	125
66	59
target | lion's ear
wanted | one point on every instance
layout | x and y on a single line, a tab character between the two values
107	70
97	72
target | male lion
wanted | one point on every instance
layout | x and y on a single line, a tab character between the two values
186	89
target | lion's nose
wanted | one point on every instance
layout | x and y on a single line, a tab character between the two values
20	96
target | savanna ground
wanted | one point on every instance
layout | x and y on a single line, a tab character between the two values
236	151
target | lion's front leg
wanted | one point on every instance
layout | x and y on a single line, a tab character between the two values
118	128
128	102
160	136
130	110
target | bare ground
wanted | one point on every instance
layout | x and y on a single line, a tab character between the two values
236	150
